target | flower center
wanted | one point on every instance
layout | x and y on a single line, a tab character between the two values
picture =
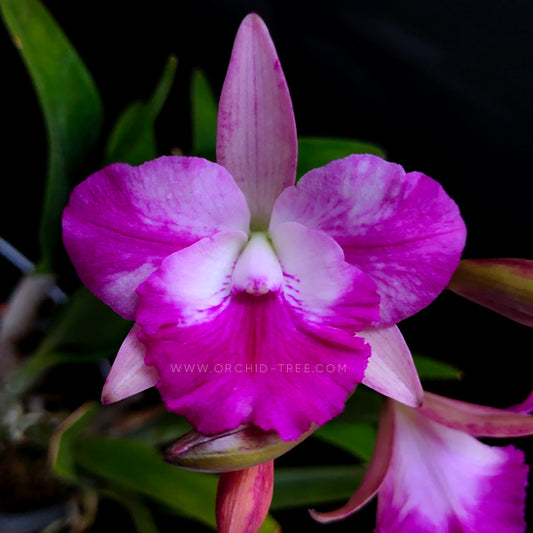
257	270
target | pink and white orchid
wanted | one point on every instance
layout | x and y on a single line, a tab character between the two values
432	475
253	297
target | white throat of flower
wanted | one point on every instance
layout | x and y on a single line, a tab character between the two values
257	270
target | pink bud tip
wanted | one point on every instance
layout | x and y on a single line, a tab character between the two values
243	498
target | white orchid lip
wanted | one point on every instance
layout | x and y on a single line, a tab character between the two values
257	270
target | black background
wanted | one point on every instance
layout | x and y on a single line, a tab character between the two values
443	86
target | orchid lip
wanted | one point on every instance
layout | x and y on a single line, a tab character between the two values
257	270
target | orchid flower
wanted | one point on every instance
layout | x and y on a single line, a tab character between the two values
257	301
432	475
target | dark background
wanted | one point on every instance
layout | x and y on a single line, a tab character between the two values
443	86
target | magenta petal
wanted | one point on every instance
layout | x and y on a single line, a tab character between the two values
401	229
255	362
477	420
523	407
129	375
256	137
192	285
122	221
375	475
391	370
319	284
442	480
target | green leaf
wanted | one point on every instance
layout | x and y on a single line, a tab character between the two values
85	330
364	406
305	486
166	428
204	117
133	137
429	368
270	526
65	437
314	152
355	438
354	430
70	103
139	512
139	468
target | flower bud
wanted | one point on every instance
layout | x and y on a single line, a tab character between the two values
236	449
503	285
243	498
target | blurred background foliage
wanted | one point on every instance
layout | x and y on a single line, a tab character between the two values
438	87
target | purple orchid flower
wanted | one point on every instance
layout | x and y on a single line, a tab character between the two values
248	291
432	475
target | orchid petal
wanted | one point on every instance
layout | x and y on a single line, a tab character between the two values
256	135
129	375
122	221
503	285
401	229
391	370
375	474
191	285
255	362
477	420
319	284
442	480
523	407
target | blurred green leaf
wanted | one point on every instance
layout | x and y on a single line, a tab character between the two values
85	330
204	117
354	430
270	526
429	368
314	152
139	512
355	438
364	406
65	437
69	100
139	468
133	137
162	431
311	485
